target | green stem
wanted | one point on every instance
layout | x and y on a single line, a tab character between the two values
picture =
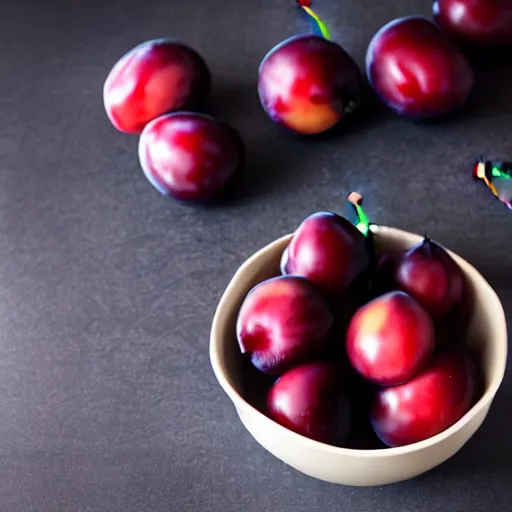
363	222
324	29
496	172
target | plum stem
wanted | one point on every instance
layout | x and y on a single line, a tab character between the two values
426	244
324	29
363	223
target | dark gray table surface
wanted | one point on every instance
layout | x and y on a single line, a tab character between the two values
107	289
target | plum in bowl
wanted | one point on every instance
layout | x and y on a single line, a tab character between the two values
486	340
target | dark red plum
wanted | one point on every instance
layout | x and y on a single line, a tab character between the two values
329	251
429	274
191	157
429	403
152	79
307	84
479	22
282	322
311	400
416	70
390	339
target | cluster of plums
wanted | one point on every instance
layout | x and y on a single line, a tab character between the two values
306	84
415	66
152	91
339	322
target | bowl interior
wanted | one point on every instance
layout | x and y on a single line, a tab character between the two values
485	337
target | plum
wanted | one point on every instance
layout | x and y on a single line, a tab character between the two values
390	339
478	22
283	321
429	403
429	274
311	400
154	78
189	156
329	251
416	70
307	84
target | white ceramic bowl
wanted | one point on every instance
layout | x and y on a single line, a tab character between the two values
487	337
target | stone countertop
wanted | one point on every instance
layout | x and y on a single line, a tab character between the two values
107	289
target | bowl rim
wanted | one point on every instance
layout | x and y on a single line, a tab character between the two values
241	404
